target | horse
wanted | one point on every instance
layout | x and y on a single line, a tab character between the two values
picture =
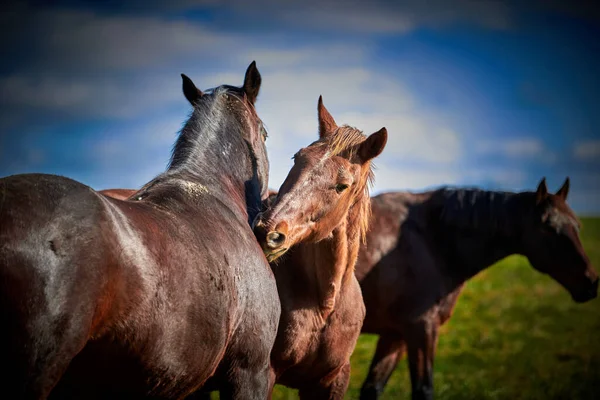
423	247
149	297
318	219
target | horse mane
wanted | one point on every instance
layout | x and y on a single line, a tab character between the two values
202	142
345	141
192	139
472	208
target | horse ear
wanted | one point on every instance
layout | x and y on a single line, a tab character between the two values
327	124
191	92
542	191
252	82
373	146
564	189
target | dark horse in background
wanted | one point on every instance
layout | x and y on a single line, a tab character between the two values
423	247
146	298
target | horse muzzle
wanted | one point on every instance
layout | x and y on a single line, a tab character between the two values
589	293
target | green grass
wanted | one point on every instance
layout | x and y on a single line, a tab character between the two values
515	334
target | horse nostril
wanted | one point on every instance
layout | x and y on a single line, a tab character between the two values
275	239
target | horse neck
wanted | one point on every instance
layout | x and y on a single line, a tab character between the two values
220	164
483	252
477	246
331	261
230	187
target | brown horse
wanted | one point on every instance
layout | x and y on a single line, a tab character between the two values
423	247
146	298
320	215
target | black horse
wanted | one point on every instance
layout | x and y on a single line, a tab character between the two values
149	297
423	247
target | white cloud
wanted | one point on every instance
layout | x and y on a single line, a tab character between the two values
326	54
357	97
107	97
288	101
522	148
87	40
411	136
396	17
128	158
115	146
369	17
587	149
505	177
79	39
513	148
389	178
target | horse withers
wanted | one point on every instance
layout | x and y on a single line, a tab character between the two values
145	298
423	247
311	233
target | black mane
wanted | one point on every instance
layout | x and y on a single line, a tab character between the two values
211	145
200	139
476	209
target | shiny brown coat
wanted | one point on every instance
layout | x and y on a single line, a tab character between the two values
109	299
311	232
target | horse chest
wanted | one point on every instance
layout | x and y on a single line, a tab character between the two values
308	342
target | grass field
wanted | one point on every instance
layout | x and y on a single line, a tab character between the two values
515	334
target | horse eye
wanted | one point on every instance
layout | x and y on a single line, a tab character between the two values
340	187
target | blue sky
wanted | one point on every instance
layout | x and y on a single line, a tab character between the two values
486	94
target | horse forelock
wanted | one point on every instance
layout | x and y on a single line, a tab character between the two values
344	140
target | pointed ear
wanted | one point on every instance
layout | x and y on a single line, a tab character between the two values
564	189
327	124
373	146
542	191
191	92
252	82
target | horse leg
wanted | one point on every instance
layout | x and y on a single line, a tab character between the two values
40	358
421	340
248	383
38	341
332	387
390	349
